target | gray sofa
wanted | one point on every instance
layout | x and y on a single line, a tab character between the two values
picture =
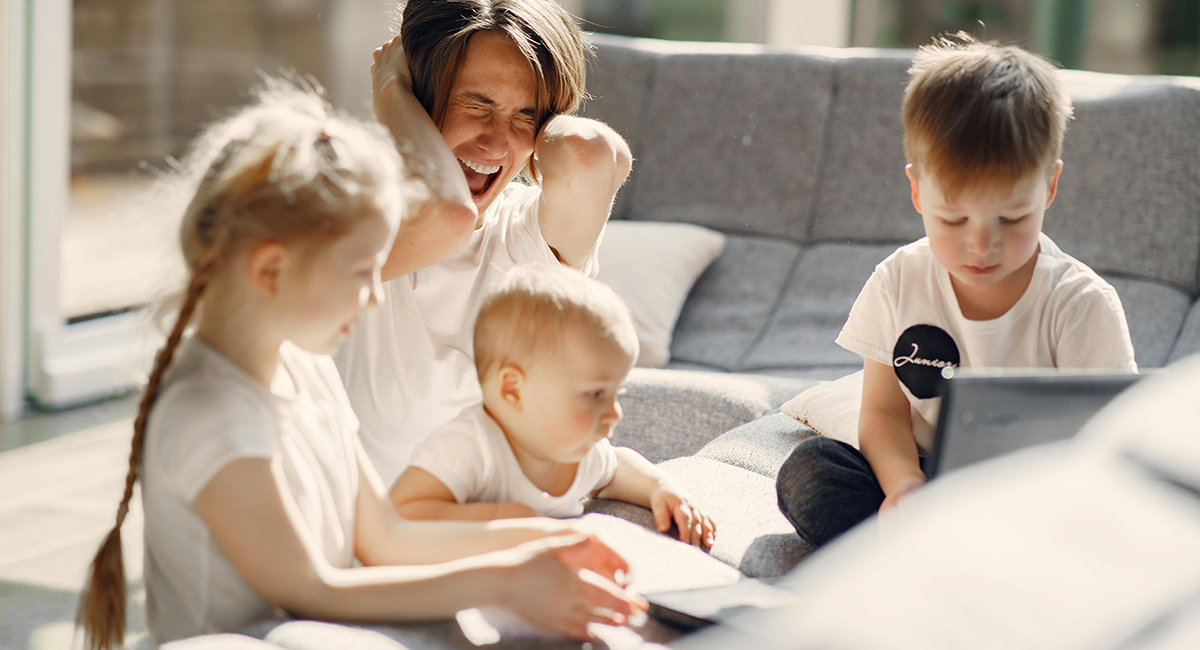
797	156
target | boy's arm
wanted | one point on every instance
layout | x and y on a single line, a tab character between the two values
583	163
417	494
638	481
885	435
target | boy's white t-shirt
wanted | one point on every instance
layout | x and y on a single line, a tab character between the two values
907	316
209	413
409	364
471	456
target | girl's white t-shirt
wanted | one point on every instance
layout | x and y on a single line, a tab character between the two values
907	316
209	413
409	364
471	456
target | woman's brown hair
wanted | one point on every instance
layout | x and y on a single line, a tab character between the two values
435	35
286	168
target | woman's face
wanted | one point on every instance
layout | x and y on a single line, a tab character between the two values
491	118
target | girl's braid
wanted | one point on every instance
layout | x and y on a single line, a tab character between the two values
102	610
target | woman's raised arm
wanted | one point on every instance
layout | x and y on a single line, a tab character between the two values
436	227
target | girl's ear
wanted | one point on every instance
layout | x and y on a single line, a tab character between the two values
511	381
266	265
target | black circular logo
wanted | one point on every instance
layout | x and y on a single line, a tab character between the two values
921	354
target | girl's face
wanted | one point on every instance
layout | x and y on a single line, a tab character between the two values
333	282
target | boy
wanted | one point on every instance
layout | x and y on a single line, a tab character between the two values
552	349
983	132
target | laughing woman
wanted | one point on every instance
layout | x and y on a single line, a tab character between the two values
476	93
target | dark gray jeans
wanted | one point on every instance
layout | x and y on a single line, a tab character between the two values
825	488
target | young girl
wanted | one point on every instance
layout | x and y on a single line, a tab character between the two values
257	493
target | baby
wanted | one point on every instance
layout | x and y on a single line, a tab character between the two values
552	349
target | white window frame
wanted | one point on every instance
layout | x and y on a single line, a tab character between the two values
13	110
66	363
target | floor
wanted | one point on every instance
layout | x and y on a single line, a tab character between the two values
61	476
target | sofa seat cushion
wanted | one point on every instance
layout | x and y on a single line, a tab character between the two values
760	446
674	413
813	308
732	301
752	535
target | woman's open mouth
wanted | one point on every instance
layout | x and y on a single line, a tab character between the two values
479	177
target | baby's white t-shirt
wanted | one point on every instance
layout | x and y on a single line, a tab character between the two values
209	413
907	316
409	365
471	456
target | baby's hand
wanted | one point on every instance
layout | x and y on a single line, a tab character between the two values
668	502
390	62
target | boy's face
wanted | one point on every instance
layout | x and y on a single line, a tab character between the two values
568	398
987	233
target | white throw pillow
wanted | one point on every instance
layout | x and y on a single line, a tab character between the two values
830	408
652	266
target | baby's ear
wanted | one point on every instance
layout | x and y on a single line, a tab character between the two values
511	381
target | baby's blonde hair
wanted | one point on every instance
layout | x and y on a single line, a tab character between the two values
982	112
531	311
287	168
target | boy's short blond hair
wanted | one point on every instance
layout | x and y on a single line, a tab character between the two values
976	111
531	311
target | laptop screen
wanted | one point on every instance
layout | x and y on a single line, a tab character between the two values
985	414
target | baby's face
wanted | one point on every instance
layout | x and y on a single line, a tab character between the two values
985	234
569	401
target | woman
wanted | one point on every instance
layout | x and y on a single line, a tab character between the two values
475	92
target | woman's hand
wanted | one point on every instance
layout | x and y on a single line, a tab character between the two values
390	63
565	582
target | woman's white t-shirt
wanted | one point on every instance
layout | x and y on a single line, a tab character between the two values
409	365
471	456
907	316
209	413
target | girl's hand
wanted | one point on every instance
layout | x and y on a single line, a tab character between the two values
390	63
568	581
668	503
514	510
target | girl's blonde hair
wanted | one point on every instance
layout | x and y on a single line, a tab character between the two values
287	168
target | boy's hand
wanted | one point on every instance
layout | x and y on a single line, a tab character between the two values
902	488
669	503
389	63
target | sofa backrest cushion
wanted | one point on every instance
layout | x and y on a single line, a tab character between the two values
619	80
1129	198
864	194
731	136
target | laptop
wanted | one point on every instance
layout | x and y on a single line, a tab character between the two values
987	413
694	608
